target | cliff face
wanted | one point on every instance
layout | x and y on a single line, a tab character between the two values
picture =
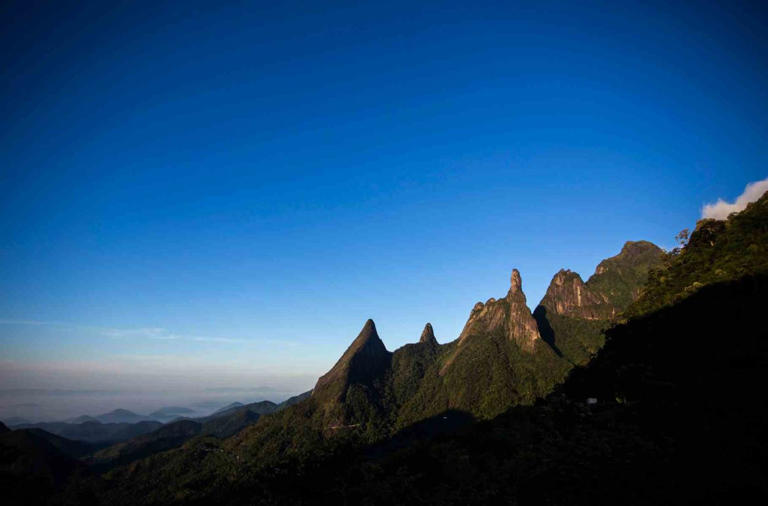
616	283
573	314
568	295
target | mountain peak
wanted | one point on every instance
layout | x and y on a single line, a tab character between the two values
568	295
634	249
564	276
428	335
515	282
367	342
509	316
632	254
120	411
619	279
368	331
363	360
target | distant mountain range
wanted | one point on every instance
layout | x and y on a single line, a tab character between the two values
103	443
165	414
122	416
122	425
223	423
94	431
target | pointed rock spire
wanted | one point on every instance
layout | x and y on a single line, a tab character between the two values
366	358
367	333
515	282
367	343
428	335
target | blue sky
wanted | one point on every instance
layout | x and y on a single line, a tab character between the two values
197	195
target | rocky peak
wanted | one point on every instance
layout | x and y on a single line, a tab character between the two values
568	295
509	316
632	254
367	336
618	280
428	335
634	251
515	282
365	359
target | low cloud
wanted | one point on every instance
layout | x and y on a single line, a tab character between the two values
721	209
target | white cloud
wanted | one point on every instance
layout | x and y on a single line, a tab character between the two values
721	209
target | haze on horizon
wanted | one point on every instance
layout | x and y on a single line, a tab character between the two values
204	197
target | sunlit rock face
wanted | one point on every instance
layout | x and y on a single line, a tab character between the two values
568	295
428	335
509	316
616	283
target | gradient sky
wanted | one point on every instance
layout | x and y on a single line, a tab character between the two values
207	197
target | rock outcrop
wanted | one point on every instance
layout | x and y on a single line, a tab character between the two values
428	335
573	314
509	316
355	378
616	283
365	360
568	295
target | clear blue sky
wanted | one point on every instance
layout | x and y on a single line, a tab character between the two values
223	195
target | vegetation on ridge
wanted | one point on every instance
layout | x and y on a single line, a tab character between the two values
718	250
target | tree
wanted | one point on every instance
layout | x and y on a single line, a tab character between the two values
682	237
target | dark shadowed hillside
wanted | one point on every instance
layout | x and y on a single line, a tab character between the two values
38	467
718	250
